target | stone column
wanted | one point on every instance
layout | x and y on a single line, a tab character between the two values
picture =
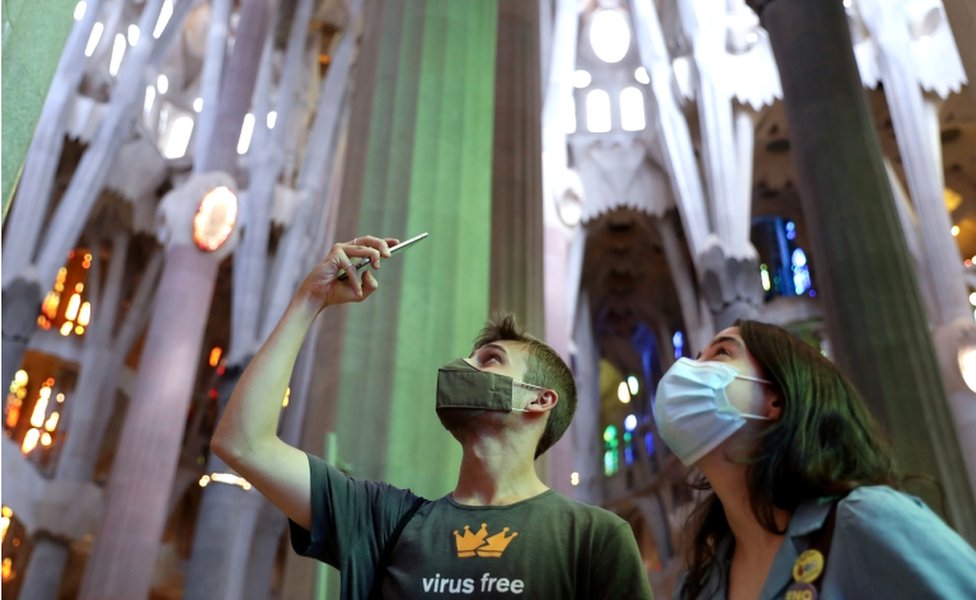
915	116
516	167
556	234
65	511
873	309
124	553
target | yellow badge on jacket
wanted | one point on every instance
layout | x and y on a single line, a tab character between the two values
807	567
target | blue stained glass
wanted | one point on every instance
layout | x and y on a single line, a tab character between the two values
678	341
649	443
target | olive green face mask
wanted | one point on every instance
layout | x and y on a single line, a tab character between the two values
461	385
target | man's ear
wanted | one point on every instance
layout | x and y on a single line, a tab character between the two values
546	402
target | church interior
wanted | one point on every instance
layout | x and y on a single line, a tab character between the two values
626	176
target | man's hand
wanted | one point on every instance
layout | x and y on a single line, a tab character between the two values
322	286
246	437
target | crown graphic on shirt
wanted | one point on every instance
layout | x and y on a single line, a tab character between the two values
481	544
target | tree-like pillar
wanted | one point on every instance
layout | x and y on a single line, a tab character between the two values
124	552
915	116
873	309
516	168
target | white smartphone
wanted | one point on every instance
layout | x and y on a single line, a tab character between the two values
366	262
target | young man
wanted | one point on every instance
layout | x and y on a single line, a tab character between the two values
501	533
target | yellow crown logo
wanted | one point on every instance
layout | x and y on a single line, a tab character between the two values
471	544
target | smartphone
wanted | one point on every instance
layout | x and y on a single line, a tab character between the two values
366	262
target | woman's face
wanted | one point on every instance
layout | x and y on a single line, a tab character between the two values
748	396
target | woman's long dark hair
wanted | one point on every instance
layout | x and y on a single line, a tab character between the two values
825	443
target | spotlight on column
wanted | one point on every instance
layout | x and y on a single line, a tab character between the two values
215	218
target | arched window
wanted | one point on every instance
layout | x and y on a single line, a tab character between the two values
630	424
598	111
678	341
631	109
784	268
609	35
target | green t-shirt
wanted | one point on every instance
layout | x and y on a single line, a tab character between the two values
547	547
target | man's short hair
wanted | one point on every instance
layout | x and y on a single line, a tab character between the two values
545	369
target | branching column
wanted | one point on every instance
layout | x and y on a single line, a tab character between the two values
874	313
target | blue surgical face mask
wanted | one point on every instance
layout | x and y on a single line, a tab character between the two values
692	411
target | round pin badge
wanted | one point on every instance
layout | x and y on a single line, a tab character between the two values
808	566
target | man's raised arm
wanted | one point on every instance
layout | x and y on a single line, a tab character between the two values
246	437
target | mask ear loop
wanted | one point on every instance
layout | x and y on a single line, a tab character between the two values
751	378
765	382
529	386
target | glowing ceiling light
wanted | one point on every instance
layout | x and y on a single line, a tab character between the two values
641	76
967	366
197	104
164	16
630	423
5	516
80	9
178	137
633	385
118	53
132	34
84	315
954	230
74	305
623	393
150	99
30	441
574	478
215	218
228	478
162	83
247	130
272	119
94	38
52	421
40	407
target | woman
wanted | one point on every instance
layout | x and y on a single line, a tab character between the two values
803	498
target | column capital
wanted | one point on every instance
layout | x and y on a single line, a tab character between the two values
67	510
730	285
